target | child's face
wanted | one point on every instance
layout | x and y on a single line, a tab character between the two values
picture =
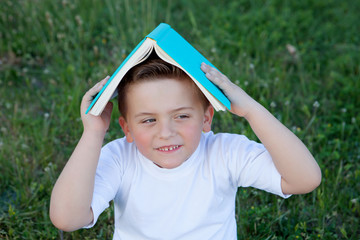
165	119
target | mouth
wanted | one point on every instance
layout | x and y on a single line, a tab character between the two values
168	148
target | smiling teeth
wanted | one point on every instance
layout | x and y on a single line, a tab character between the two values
165	149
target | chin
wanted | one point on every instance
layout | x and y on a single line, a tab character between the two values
169	165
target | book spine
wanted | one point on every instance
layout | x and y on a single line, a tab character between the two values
159	31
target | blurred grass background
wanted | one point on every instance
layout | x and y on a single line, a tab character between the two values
300	59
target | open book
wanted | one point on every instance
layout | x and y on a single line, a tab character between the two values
172	48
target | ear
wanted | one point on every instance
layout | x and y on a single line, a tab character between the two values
208	117
126	130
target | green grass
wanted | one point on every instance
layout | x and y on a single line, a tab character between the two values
51	52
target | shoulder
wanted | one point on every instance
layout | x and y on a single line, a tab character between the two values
118	146
226	140
245	161
224	136
118	153
230	148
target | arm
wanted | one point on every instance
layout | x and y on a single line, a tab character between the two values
298	169
72	194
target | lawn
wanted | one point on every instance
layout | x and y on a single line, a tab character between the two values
300	59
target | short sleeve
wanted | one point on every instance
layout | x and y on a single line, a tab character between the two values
259	171
249	163
107	179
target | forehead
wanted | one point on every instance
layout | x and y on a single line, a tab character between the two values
161	95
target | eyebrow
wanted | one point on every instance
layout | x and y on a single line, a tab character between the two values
172	111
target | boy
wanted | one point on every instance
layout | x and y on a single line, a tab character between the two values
170	177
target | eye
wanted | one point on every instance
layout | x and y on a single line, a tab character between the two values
149	120
182	116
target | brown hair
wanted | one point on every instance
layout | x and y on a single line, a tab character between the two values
153	69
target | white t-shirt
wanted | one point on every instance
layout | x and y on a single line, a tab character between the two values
193	201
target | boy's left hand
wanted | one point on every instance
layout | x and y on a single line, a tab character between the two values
241	102
297	167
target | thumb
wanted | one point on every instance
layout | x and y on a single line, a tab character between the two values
106	114
108	108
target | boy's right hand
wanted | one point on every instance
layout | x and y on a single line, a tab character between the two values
70	205
99	124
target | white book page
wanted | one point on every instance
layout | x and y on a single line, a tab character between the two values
139	56
214	102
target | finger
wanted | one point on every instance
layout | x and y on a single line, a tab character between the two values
100	84
212	72
205	67
96	88
216	77
91	93
103	82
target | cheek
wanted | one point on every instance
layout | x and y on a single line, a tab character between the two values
142	140
192	132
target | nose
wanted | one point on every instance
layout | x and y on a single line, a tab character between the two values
166	129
